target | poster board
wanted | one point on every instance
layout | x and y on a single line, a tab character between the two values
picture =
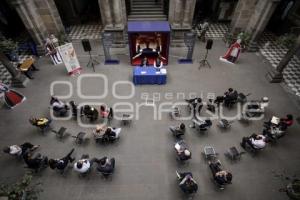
69	58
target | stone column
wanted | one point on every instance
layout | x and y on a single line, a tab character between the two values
180	17
105	11
117	11
113	14
18	79
177	13
276	76
187	14
27	11
262	14
242	15
50	16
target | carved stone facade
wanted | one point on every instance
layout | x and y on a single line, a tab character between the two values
40	18
181	14
253	16
114	19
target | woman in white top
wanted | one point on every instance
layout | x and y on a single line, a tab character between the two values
82	166
19	150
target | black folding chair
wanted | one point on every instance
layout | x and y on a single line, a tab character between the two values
80	138
61	133
126	119
233	154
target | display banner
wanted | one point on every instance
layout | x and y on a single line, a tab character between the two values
69	58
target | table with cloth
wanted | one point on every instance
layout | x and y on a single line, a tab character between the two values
149	75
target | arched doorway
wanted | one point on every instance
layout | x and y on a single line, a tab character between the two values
81	18
214	10
74	12
282	20
11	25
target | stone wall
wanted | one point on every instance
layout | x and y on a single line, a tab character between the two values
252	16
50	16
242	15
181	14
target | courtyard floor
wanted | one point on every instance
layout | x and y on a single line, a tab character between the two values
145	157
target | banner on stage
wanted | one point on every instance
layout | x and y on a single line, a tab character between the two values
69	58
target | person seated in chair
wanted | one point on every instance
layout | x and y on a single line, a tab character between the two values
219	100
178	130
106	112
273	133
182	151
74	108
202	124
277	130
187	184
221	177
41	123
286	122
112	133
20	150
158	64
195	104
27	72
58	106
106	134
61	163
35	162
83	166
90	112
106	166
256	142
230	97
99	132
211	106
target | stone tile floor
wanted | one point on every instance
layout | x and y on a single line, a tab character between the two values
215	31
274	53
79	32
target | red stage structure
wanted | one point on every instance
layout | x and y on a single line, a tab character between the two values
148	39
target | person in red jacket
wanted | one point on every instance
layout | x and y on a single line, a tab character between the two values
286	122
232	53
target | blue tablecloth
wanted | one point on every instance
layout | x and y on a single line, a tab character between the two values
148	75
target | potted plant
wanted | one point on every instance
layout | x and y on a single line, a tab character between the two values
21	190
229	39
9	48
293	190
63	38
245	39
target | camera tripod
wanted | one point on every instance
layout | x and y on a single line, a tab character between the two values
92	62
204	61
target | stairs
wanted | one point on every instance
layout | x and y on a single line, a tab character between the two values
5	76
146	10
